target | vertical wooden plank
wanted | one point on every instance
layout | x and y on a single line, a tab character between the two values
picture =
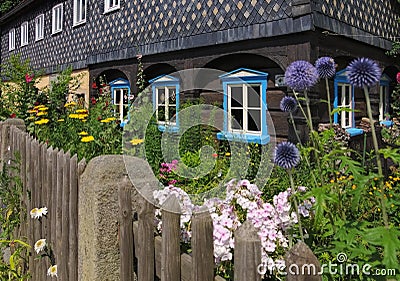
43	203
64	267
28	179
36	190
24	199
202	247
73	216
48	202
125	231
170	248
53	206
247	253
59	258
145	242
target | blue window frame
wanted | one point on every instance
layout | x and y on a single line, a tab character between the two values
165	91
245	106
384	96
344	98
121	95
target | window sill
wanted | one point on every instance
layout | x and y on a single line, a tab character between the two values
111	10
168	128
39	39
260	139
56	32
77	24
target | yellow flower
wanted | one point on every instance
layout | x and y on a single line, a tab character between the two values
32	111
73	116
31	118
375	179
87	139
390	177
353	186
41	113
52	271
392	205
38	106
136	141
107	120
370	193
228	154
68	104
332	181
44	108
112	118
374	187
42	121
60	120
81	111
379	209
83	133
82	116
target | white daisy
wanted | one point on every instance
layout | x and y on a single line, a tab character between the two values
52	271
39	245
34	213
42	211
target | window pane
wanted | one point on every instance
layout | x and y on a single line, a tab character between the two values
253	92
254	120
117	96
161	113
236	96
161	95
172	95
237	119
171	113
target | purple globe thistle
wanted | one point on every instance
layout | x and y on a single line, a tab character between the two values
301	75
286	155
363	72
288	104
326	67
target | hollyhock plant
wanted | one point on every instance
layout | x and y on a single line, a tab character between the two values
301	75
398	77
28	78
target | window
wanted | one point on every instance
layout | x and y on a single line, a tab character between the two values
11	40
166	102
39	27
111	5
57	19
245	94
384	97
120	90
345	102
24	34
79	12
244	104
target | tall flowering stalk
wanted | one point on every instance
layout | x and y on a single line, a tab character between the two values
326	68
287	156
364	73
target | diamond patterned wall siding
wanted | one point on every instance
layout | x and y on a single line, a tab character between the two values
378	17
136	23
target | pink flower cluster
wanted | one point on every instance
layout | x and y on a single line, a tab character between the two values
167	170
242	201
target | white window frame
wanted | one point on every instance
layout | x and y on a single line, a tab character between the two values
11	39
24	33
39	27
345	100
245	108
383	94
121	107
166	104
80	12
57	19
111	5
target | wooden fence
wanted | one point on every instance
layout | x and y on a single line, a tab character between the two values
49	179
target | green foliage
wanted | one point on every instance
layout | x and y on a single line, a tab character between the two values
10	217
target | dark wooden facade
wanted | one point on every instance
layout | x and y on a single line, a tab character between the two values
173	35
